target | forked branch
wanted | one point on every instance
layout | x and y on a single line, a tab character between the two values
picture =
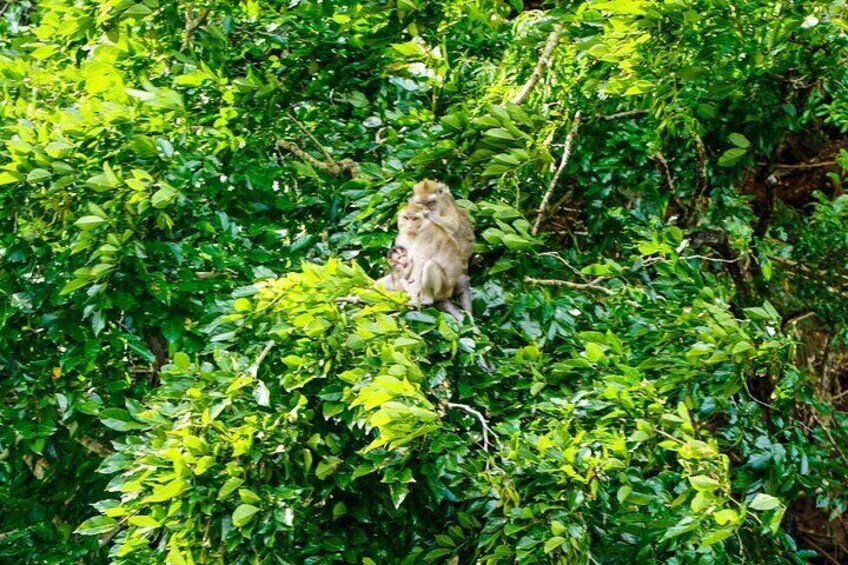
541	65
486	429
566	154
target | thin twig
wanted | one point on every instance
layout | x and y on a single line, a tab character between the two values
620	115
665	172
820	272
566	153
827	556
254	369
838	396
93	446
192	24
569	284
301	127
802	166
332	168
541	65
703	179
830	438
348	300
719	260
486	429
557	256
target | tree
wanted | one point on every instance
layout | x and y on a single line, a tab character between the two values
195	196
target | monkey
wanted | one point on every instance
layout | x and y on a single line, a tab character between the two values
401	269
437	263
441	209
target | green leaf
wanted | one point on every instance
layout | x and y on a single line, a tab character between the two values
764	502
120	420
167	491
326	467
89	222
248	496
594	352
182	361
58	149
739	140
143	521
731	157
409	49
162	197
715	537
725	516
243	514
553	543
704	483
38	175
8	178
104	181
97	525
229	487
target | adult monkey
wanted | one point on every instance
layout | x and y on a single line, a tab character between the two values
435	257
441	210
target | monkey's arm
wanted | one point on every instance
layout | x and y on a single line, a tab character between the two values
388	282
450	225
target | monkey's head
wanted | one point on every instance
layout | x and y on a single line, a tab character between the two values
429	193
398	257
410	219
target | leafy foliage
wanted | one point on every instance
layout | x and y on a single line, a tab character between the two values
195	196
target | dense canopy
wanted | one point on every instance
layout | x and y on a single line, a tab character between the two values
197	367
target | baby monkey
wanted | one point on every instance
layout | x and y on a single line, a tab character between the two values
400	264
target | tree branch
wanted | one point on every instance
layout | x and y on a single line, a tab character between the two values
665	172
333	168
254	369
578	286
541	65
802	166
703	179
620	115
718	241
301	127
566	153
192	24
486	429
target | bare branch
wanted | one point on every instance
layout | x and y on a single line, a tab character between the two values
192	24
664	170
301	127
566	154
254	369
620	115
703	174
802	166
486	429
827	556
818	272
348	300
578	286
93	446
557	256
541	65
332	168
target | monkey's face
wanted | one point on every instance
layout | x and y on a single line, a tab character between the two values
398	257
409	223
427	193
